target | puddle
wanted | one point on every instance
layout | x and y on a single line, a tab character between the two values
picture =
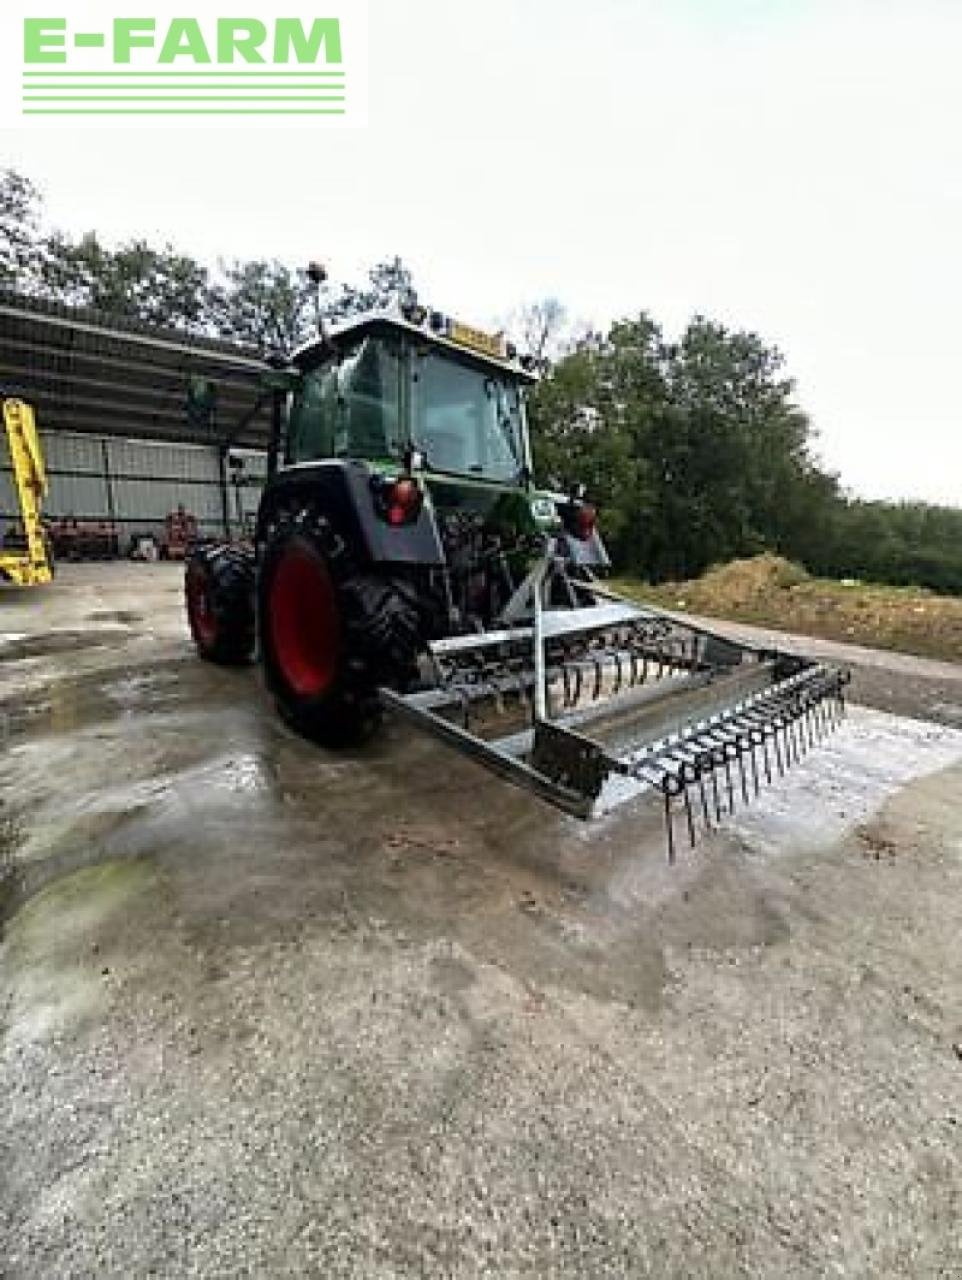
126	616
57	642
951	711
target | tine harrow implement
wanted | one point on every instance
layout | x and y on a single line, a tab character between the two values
591	704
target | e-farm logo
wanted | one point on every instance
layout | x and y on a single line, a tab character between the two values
91	64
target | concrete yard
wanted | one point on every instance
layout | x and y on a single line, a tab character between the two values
266	1010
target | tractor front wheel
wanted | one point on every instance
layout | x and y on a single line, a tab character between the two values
219	588
329	637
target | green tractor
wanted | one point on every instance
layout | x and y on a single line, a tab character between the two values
405	559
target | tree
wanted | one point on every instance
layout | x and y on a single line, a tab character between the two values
20	206
132	282
272	306
264	304
389	283
695	449
539	328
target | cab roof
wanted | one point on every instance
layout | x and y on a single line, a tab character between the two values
436	330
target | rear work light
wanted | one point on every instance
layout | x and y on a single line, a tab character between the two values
399	501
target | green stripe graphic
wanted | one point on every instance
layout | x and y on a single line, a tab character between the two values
301	92
190	97
173	111
257	75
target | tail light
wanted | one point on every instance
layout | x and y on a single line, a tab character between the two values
587	518
399	501
579	519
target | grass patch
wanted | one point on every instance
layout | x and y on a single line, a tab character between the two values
773	592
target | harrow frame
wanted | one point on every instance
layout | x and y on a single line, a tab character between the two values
616	699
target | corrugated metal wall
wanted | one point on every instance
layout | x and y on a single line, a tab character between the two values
137	482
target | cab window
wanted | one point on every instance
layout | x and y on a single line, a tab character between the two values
466	420
351	408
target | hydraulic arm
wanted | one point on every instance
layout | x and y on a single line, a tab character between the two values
32	566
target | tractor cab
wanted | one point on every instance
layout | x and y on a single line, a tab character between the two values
414	389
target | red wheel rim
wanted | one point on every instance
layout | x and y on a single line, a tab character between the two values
304	623
202	617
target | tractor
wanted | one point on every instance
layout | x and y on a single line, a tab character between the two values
405	559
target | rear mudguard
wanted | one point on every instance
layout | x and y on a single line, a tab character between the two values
343	491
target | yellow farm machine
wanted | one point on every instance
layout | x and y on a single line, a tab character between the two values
31	565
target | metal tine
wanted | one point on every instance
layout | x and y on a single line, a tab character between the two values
724	752
826	711
720	757
599	678
577	697
800	727
667	783
745	742
668	826
691	773
769	727
706	760
804	726
791	754
756	735
678	785
633	660
616	657
566	685
735	752
818	702
761	741
788	740
813	738
788	737
768	718
772	715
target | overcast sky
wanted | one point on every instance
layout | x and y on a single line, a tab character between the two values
790	166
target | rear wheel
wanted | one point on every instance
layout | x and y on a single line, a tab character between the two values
330	636
219	589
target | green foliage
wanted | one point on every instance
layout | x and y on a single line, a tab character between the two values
19	230
132	282
388	283
274	307
697	454
263	304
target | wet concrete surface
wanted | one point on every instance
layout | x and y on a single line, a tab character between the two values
269	1010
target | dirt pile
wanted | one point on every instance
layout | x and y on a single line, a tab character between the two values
740	584
777	593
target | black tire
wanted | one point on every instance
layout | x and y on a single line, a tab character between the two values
219	590
331	635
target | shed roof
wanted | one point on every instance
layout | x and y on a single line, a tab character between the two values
88	372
